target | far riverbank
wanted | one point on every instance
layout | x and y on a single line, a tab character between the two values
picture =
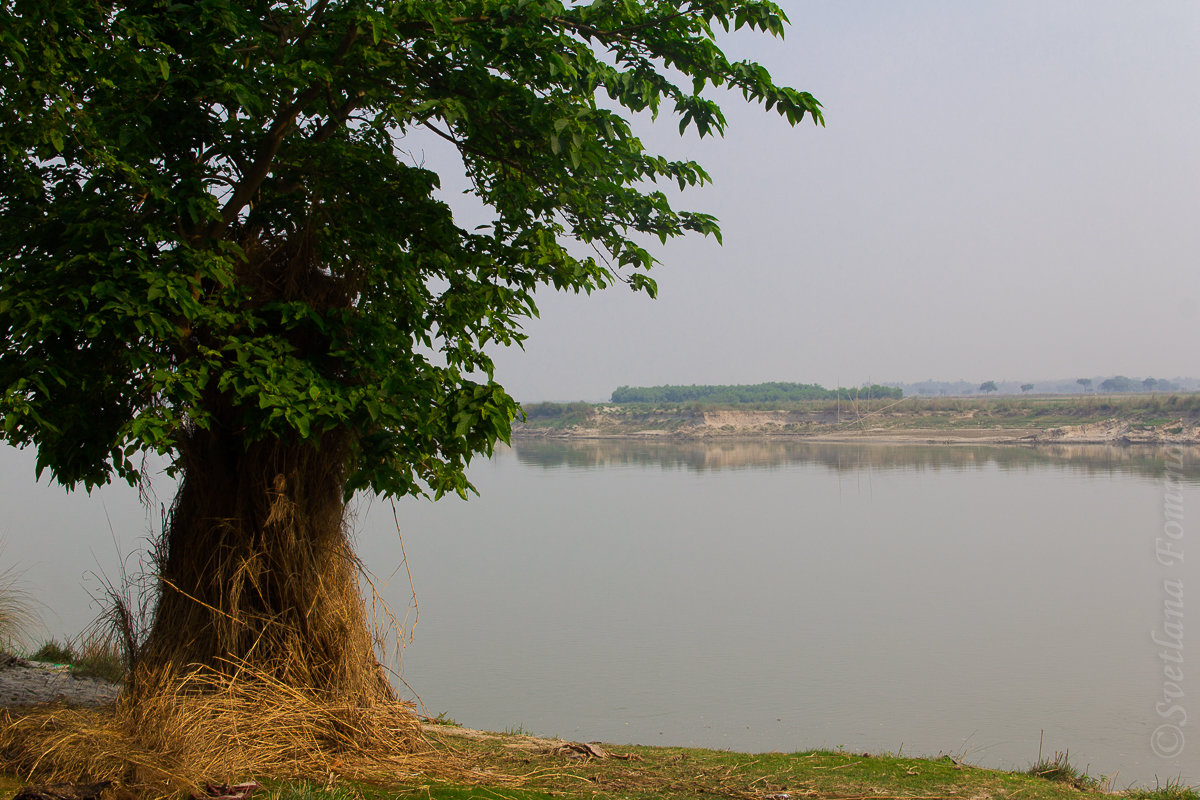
1155	420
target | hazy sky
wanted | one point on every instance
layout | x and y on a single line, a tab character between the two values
1005	191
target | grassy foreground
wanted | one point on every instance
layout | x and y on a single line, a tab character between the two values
551	768
506	765
464	763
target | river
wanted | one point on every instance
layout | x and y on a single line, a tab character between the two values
976	601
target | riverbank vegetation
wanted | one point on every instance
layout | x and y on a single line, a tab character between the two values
1169	414
759	393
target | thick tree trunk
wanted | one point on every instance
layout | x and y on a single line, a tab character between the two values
256	571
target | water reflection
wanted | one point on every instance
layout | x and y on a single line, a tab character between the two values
1090	459
780	595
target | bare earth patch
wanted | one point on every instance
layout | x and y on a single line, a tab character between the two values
27	683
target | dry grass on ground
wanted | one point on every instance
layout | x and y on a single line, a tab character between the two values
207	726
547	768
295	760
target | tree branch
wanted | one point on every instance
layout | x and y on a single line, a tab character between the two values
318	11
338	119
265	154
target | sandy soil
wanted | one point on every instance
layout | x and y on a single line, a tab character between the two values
613	423
26	683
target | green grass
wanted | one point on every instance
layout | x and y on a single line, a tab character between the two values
301	790
443	718
1060	770
519	767
54	652
99	657
89	657
1171	790
643	773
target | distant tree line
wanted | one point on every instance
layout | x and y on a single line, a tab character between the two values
1120	383
756	393
1104	384
571	413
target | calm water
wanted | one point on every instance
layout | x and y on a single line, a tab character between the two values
776	597
770	596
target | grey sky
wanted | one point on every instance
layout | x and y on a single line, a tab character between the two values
1002	191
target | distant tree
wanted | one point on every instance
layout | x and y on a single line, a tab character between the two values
1086	383
559	414
1149	384
1025	387
1118	383
987	387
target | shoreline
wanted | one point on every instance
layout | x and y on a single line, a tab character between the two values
973	426
881	436
1080	434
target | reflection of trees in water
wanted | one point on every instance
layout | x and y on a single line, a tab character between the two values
1145	460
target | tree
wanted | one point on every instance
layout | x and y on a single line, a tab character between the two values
1149	384
214	246
1119	383
1086	383
1026	387
987	387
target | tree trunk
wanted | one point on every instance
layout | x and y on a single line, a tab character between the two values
256	571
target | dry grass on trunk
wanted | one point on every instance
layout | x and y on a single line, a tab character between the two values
259	659
256	567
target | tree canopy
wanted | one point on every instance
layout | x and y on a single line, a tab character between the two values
210	221
775	392
1121	383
